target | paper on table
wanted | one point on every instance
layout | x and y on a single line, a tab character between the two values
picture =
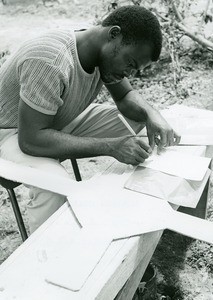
106	214
119	213
72	269
193	131
194	125
187	139
188	111
174	189
132	213
35	177
178	164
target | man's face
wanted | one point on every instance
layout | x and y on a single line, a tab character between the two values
118	60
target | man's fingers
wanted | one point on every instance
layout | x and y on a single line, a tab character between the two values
151	138
170	138
139	160
157	140
144	146
143	153
163	139
136	160
177	138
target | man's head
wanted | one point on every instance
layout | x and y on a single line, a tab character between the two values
134	39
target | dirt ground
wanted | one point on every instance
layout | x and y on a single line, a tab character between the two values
184	265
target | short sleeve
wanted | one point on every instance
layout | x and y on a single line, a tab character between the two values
41	86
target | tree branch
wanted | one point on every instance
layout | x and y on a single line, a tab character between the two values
206	9
196	37
176	11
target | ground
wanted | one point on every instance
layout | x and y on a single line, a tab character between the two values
184	265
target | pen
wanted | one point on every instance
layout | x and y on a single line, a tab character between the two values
132	131
123	120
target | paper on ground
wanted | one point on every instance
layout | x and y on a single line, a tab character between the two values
178	164
174	189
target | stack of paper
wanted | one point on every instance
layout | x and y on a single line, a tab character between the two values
177	163
189	171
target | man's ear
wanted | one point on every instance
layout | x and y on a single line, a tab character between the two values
114	32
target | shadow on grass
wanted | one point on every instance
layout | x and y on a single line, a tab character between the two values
169	258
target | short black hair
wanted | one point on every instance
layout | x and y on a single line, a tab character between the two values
137	24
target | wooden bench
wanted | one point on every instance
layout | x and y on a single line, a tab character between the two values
117	275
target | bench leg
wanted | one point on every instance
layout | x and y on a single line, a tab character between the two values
17	213
76	169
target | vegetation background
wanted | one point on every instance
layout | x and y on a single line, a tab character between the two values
182	75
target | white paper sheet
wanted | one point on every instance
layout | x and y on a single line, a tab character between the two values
107	207
178	164
120	213
187	111
77	262
35	177
173	189
194	125
196	139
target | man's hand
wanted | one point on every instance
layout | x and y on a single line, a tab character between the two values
131	150
157	127
133	106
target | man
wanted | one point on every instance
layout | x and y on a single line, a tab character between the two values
46	89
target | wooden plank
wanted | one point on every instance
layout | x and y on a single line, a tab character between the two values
128	291
24	271
22	275
118	264
143	245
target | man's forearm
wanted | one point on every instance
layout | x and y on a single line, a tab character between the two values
134	107
59	145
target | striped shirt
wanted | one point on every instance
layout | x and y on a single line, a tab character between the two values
47	75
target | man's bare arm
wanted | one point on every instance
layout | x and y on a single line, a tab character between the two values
37	138
131	104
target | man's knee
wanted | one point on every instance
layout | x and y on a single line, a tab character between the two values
41	206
